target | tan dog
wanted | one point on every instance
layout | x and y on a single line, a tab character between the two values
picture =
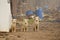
13	26
37	21
25	24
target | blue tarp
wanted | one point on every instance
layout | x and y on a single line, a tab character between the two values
39	13
29	12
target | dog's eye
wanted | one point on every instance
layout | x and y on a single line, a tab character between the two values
25	23
36	20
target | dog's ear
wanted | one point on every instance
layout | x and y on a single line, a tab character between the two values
14	20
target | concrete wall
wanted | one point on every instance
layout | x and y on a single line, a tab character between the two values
5	16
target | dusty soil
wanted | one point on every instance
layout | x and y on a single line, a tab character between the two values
48	31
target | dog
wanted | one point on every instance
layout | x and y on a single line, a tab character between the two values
13	26
36	22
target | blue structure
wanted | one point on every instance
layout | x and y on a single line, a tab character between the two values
29	12
39	13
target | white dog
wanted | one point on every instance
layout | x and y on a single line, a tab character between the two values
13	26
37	21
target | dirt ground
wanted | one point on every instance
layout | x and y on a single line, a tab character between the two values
48	31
